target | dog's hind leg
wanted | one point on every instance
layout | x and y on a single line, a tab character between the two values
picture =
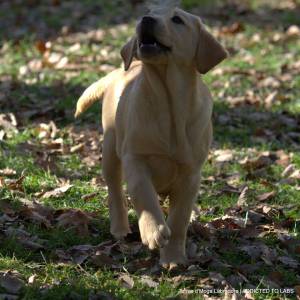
112	171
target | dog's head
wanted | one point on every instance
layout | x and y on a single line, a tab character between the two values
174	34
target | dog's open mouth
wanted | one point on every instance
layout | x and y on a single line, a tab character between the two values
149	44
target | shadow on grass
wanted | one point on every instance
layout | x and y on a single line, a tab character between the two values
247	126
235	127
49	19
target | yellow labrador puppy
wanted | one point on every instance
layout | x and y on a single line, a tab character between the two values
157	126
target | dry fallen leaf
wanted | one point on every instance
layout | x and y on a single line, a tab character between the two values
266	196
289	262
254	164
223	155
293	31
15	184
7	172
31	279
243	197
297	290
58	192
288	170
89	196
234	28
11	282
126	281
77	148
270	99
77	219
8	123
146	280
47	131
32	214
101	259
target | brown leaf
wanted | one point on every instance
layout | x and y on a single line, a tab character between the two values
58	192
31	279
289	262
271	99
243	197
234	28
293	31
11	282
6	206
16	185
228	222
223	155
216	277
249	269
2	182
139	264
33	214
228	189
41	46
7	172
30	244
250	231
77	148
55	146
47	131
101	259
77	219
218	265
295	174
253	164
130	248
126	281
283	159
288	170
89	196
277	277
8	123
256	217
146	280
266	196
196	228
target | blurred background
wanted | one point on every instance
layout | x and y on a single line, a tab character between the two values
62	46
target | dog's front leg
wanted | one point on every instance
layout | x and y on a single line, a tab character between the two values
153	228
182	199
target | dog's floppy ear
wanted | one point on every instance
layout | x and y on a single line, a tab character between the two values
209	51
128	51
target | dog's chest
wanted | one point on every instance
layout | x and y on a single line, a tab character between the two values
164	172
158	121
150	126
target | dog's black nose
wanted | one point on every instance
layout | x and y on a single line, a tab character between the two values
148	20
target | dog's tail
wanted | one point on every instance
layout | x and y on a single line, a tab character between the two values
93	93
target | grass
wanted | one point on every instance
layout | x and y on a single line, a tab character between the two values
59	89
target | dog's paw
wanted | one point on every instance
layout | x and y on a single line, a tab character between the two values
153	235
119	230
172	256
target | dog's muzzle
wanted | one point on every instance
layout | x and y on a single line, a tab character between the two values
148	43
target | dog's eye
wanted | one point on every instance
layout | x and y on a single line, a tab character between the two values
177	20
